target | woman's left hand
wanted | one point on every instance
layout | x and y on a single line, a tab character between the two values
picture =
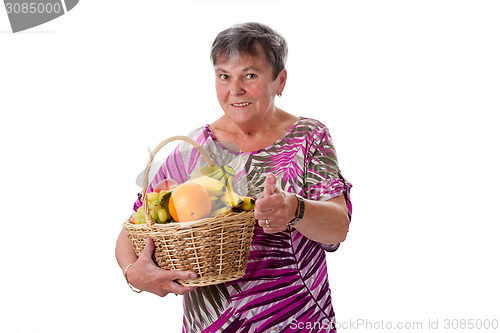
276	208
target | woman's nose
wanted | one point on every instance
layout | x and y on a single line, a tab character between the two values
237	88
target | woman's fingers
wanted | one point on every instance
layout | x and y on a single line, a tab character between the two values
270	207
145	275
269	227
164	282
269	212
176	287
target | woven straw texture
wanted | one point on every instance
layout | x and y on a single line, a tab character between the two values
216	248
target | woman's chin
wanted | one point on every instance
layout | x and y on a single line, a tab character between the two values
241	117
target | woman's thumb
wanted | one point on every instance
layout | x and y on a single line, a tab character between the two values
269	185
148	249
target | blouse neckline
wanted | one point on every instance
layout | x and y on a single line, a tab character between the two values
220	145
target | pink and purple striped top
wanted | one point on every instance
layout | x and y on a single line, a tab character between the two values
285	288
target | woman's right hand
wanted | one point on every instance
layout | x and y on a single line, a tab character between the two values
145	275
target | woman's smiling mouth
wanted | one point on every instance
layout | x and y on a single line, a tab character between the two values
240	104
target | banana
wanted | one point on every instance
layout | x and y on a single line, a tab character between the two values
247	204
228	181
217	204
213	186
228	170
204	170
221	211
230	198
217	174
228	175
221	173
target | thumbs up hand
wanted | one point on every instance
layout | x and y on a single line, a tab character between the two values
275	208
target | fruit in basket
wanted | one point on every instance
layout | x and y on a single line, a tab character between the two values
162	215
221	211
215	179
231	199
202	171
208	193
166	184
189	202
218	181
212	185
247	204
158	208
138	217
224	174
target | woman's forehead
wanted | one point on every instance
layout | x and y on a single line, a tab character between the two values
245	60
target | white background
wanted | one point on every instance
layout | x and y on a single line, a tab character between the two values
409	90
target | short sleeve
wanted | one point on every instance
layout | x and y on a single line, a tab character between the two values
323	180
322	176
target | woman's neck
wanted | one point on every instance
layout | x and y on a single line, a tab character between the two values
256	135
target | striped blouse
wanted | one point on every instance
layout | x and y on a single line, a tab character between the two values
285	287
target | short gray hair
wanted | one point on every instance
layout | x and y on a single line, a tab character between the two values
241	39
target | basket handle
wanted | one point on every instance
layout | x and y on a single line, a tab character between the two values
145	180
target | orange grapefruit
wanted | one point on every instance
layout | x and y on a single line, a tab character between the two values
189	202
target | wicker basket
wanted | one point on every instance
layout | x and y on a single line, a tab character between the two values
216	248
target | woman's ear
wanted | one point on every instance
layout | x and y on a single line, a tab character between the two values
281	81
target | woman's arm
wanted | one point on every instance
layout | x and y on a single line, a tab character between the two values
144	274
326	222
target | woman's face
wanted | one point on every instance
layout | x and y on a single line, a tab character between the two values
245	87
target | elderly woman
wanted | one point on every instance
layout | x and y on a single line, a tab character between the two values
303	207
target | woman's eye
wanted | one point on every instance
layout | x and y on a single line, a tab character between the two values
251	76
224	77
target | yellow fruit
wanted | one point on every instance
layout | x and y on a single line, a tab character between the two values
162	215
204	170
213	186
222	173
230	198
247	204
221	211
189	202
